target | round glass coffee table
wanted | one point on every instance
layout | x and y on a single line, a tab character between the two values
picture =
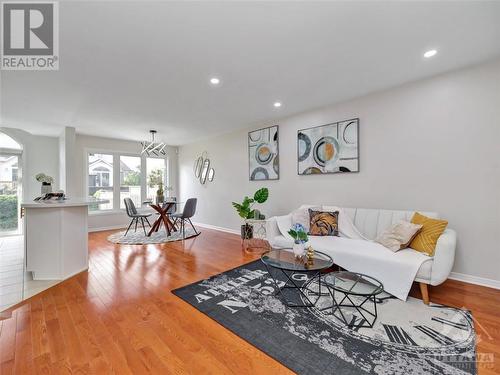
293	277
357	292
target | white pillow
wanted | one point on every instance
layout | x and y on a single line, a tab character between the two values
301	216
399	235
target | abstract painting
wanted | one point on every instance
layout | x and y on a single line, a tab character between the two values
263	155
331	148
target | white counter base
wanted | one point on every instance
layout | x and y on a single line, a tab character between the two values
56	240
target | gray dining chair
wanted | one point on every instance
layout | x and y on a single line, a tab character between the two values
135	216
186	215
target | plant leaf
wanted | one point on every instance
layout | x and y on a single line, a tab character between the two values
261	195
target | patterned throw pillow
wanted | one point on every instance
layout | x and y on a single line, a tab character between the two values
323	223
425	241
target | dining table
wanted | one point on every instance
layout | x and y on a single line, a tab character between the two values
162	210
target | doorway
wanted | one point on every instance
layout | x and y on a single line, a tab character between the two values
10	189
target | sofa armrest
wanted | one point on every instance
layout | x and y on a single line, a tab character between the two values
444	257
272	230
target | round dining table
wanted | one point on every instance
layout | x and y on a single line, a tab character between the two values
163	217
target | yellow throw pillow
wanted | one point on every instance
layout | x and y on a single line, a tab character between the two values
425	241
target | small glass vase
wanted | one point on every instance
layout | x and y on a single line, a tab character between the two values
298	249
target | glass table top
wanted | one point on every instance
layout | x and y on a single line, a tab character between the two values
353	283
286	260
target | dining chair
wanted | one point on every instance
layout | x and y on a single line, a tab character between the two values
186	215
134	215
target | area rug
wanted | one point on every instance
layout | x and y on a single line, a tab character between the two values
407	338
139	238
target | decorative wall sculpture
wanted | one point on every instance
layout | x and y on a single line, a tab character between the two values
331	148
202	169
263	154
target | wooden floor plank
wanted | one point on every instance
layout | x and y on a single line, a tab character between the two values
121	318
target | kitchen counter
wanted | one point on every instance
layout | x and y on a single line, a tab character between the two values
62	203
56	237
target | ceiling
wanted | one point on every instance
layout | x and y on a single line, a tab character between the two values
127	67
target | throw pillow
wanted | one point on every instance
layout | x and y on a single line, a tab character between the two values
399	235
425	241
323	223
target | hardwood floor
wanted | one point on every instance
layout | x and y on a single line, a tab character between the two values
120	317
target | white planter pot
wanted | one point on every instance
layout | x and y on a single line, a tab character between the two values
298	249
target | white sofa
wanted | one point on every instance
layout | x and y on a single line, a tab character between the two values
371	223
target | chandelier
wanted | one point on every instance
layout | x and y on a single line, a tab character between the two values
153	148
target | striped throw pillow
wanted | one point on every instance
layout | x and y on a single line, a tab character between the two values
425	241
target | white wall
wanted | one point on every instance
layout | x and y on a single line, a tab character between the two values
67	162
430	145
83	143
40	154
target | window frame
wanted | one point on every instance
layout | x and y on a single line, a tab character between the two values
116	176
142	185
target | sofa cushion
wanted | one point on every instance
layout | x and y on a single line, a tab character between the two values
372	222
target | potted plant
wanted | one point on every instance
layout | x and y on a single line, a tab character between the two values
160	196
46	182
246	211
299	235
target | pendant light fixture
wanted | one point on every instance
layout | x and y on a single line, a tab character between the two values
152	148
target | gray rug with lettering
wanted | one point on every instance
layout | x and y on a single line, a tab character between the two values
407	337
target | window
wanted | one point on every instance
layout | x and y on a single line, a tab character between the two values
156	173
100	180
114	177
130	179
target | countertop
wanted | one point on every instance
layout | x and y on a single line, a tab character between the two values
62	203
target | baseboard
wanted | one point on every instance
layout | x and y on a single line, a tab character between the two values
222	229
490	283
107	228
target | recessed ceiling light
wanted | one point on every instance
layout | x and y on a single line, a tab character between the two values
430	53
214	81
277	104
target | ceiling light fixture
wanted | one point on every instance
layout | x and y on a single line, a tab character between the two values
277	104
214	81
430	53
152	148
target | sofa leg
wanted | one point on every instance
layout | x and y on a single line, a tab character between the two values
424	290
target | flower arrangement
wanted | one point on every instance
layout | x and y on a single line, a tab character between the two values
298	233
44	179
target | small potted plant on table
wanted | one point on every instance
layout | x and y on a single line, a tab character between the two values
299	235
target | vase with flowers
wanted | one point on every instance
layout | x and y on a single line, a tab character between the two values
299	235
46	183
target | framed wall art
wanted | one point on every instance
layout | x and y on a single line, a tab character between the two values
263	154
331	148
